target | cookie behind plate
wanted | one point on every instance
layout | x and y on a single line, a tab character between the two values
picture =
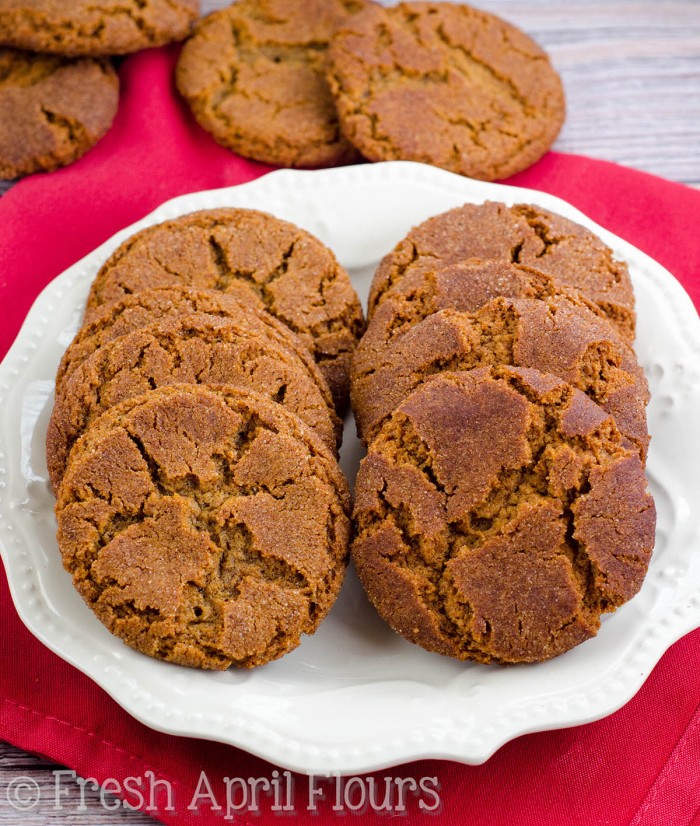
94	27
254	77
52	109
444	84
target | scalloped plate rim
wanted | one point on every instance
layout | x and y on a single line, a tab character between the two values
352	759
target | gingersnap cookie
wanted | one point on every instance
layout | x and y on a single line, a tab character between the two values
52	109
551	335
94	27
240	306
295	277
205	528
465	286
444	84
254	77
193	349
520	234
498	515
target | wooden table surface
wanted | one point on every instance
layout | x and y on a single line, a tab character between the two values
631	69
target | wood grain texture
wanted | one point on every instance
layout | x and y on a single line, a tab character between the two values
26	777
631	69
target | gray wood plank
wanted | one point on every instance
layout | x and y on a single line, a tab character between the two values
31	787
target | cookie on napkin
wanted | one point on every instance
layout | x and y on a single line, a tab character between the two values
52	109
94	27
254	77
444	84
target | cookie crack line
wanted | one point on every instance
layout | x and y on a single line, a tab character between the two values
73	130
298	152
442	35
217	532
57	30
549	240
481	527
227	274
249	560
430	598
130	12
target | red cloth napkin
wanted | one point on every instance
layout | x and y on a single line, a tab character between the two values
639	766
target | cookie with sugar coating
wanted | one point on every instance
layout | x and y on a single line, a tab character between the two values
52	109
206	528
189	349
520	234
444	84
498	515
290	272
94	27
253	75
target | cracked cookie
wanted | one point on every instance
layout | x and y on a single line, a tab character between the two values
205	528
94	27
552	335
52	109
146	307
465	287
189	349
520	234
254	77
294	276
498	515
444	84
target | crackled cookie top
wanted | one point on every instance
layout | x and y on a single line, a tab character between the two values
205	528
188	349
52	109
253	74
521	234
295	277
447	85
242	306
465	286
94	27
552	335
497	516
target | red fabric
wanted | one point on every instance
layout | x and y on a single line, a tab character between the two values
640	765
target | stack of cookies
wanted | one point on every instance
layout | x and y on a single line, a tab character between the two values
310	83
502	507
192	445
58	88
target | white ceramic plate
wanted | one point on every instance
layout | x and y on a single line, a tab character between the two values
356	697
